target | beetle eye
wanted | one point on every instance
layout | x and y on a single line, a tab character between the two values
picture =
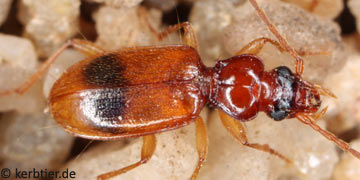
278	114
283	104
284	71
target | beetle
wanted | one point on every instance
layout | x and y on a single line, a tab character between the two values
141	91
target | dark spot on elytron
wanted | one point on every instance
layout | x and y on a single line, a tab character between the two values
108	106
105	71
110	103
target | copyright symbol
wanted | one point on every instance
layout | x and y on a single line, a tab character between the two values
5	173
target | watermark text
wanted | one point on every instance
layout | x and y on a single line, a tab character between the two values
36	173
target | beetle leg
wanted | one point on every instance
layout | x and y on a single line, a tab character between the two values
148	149
190	38
85	47
235	128
255	46
201	144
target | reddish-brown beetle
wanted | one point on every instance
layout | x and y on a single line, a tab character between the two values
141	91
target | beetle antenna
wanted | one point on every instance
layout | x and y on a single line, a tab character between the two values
285	45
306	119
